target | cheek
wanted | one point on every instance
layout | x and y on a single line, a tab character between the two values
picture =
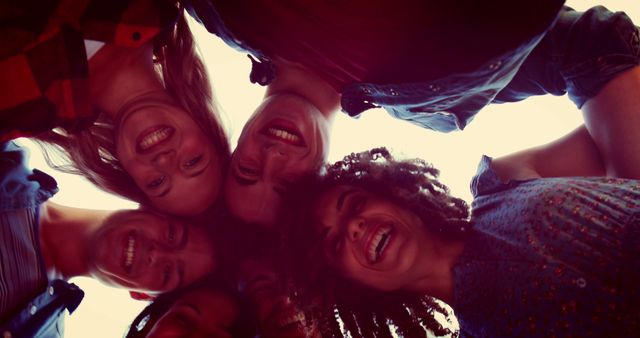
349	265
135	167
200	259
168	326
195	141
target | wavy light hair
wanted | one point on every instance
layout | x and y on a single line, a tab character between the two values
92	152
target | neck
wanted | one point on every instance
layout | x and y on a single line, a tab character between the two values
436	278
292	78
120	75
64	234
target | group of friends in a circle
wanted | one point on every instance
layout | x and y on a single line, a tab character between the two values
269	240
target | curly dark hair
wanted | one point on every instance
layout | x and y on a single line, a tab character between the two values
327	296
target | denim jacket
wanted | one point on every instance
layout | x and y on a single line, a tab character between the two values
22	188
577	54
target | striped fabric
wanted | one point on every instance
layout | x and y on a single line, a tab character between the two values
44	81
22	272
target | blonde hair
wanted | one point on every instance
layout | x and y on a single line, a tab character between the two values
92	152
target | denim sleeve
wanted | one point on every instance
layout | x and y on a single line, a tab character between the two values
578	56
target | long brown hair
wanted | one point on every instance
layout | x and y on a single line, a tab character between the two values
92	152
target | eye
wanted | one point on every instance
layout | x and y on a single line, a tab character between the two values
247	171
192	162
156	183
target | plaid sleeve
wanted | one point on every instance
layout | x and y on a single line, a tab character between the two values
45	79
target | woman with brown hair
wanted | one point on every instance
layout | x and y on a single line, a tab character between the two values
117	91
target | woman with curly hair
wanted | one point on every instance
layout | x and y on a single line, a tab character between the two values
375	239
117	92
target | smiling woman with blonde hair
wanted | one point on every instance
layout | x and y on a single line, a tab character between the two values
138	119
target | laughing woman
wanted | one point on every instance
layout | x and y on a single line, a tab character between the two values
538	257
128	95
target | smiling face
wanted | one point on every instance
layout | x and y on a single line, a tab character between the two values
277	316
202	312
371	240
144	251
169	157
285	138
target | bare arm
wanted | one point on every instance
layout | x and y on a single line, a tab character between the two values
613	120
575	154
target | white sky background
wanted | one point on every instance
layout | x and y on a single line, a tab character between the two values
498	130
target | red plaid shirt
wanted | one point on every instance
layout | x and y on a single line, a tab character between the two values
43	64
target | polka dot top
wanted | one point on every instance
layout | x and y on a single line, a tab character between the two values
551	257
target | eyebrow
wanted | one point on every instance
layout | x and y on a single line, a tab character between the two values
342	196
199	172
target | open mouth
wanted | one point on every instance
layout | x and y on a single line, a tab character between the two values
295	319
379	241
286	318
128	251
284	132
152	137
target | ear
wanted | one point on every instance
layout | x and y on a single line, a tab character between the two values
141	296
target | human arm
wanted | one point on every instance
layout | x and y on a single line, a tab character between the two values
593	56
575	154
613	120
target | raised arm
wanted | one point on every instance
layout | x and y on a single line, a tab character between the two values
613	120
575	154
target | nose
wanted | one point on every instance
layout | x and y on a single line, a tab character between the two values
165	159
156	254
273	149
355	228
274	158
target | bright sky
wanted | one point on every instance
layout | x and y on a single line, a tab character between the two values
497	130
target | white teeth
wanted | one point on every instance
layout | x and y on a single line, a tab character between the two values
283	134
129	253
378	243
298	317
154	138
